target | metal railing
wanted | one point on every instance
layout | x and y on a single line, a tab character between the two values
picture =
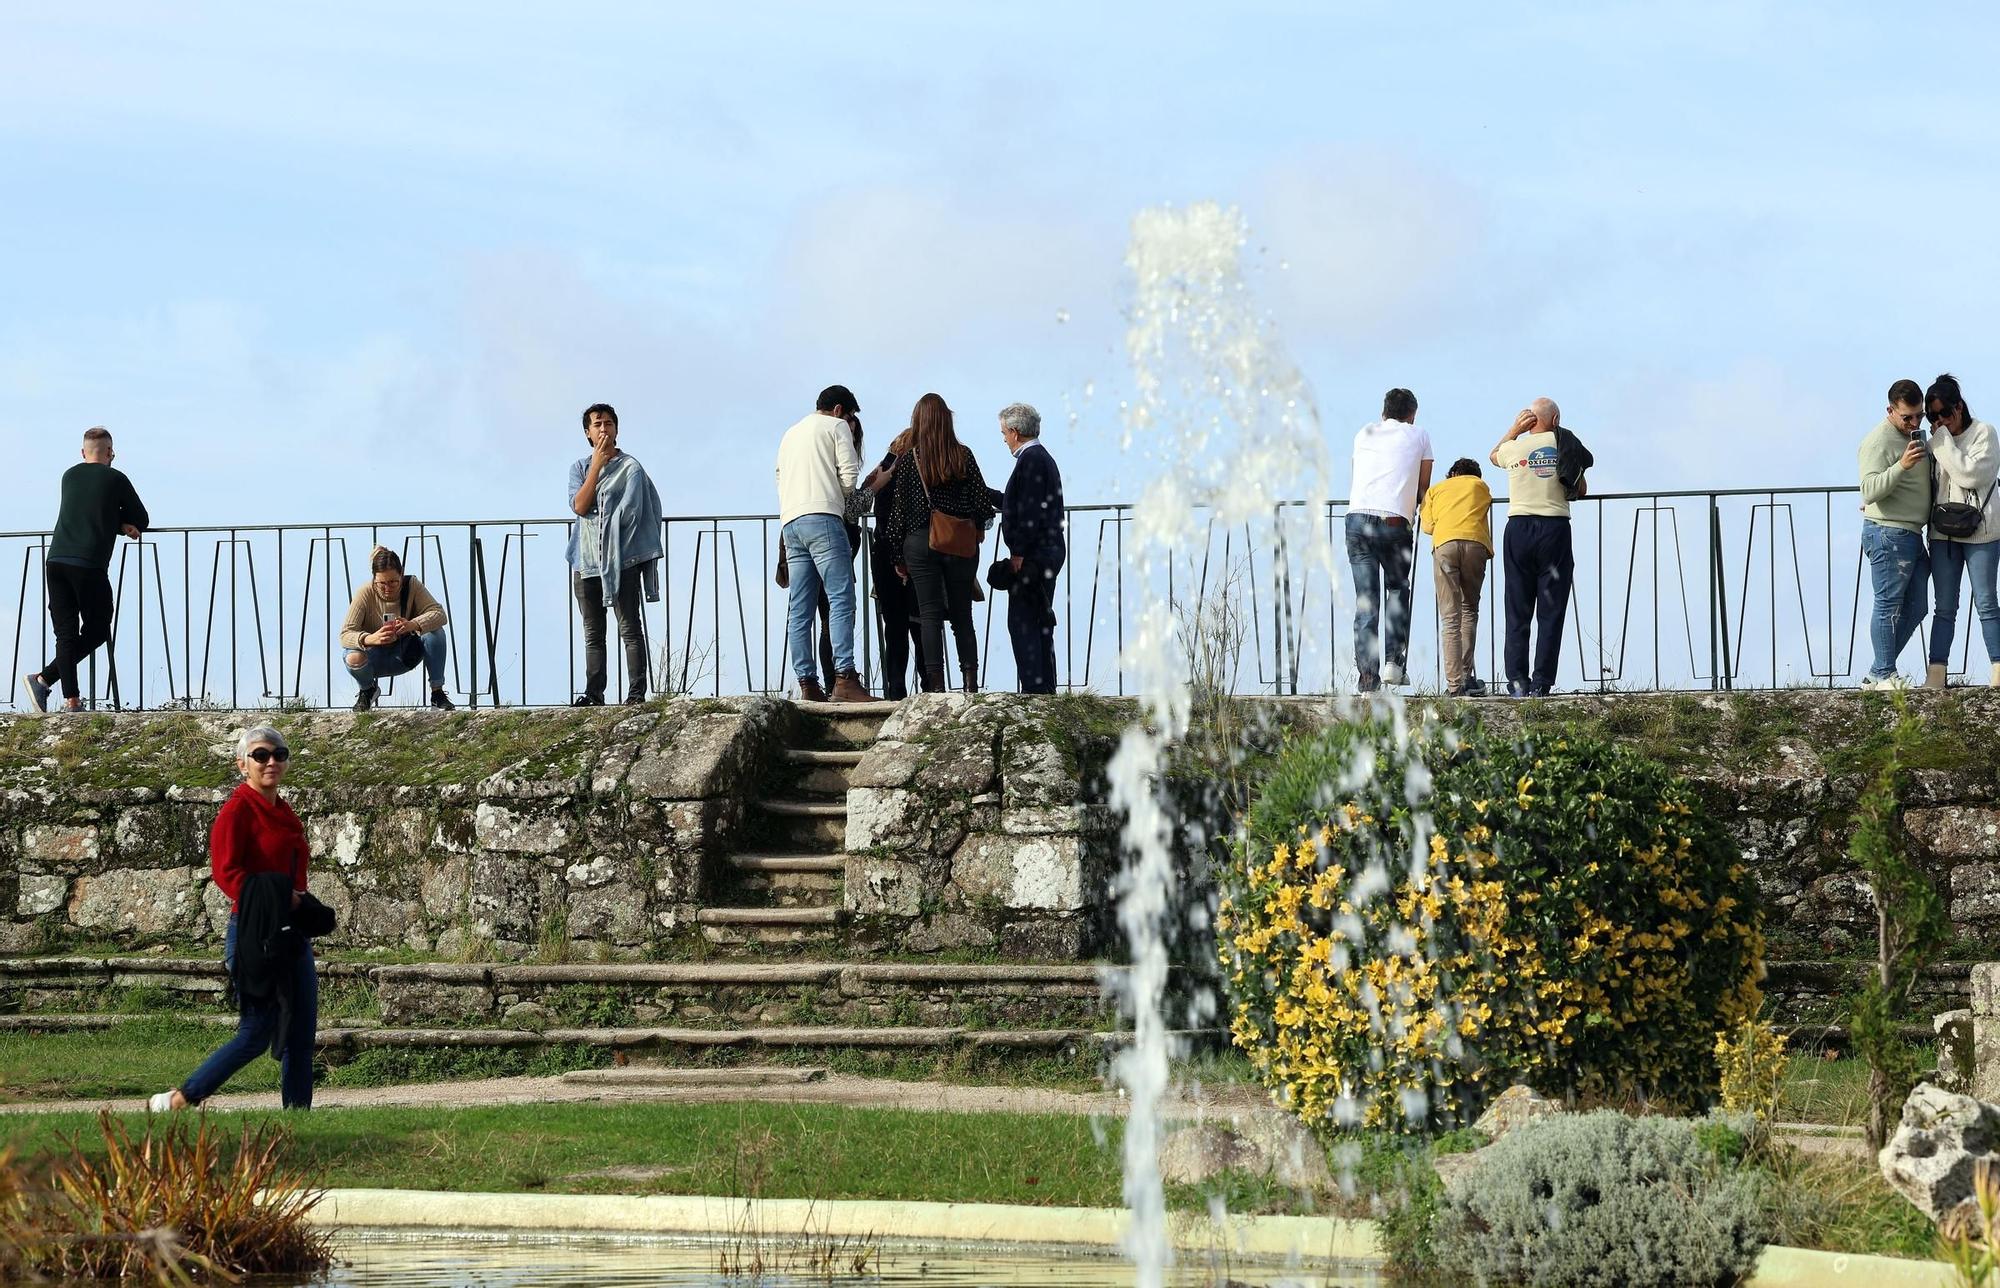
1674	590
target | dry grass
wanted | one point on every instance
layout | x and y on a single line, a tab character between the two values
167	1205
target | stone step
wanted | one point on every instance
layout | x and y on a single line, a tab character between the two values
790	1038
753	993
879	710
790	889
742	1075
827	781
805	808
845	758
768	917
770	864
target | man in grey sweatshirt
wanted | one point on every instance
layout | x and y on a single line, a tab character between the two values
1895	506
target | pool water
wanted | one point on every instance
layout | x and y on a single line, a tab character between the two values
471	1261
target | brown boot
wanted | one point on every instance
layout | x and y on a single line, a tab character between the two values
847	688
809	690
971	675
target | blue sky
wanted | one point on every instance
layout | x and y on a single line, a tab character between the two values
372	263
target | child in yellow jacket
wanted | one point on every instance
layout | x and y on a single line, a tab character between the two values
1456	515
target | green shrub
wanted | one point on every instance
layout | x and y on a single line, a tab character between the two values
1412	925
1602	1199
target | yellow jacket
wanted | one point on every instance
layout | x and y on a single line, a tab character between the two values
1458	509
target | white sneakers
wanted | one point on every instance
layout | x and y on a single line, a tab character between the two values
161	1102
1887	683
1393	674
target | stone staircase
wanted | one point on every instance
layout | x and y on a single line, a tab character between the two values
784	893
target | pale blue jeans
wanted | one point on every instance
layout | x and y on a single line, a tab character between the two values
817	555
1950	560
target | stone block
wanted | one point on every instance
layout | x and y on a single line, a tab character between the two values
336	839
887	764
880	887
381	922
959	764
506	901
1975	892
1034	773
1954	1050
1514	1108
948	930
705	755
1986	989
39	893
1955	831
610	912
890	818
141	901
519	831
1056	938
1020	873
591	873
399	836
64	847
442	887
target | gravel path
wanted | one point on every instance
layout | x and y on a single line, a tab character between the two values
834	1089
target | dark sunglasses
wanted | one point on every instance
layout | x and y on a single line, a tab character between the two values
265	755
1940	417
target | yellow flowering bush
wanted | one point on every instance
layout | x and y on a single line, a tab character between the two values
1411	926
1752	1061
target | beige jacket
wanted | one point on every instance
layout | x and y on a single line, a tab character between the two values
364	615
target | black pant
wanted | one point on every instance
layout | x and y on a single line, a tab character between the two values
943	588
631	632
1031	623
1540	566
896	614
80	613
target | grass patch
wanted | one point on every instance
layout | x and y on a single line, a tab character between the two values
146	1055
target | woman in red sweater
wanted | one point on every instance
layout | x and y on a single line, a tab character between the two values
257	833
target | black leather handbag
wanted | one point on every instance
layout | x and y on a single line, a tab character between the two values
1959	519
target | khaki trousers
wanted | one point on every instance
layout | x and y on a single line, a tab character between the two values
1461	572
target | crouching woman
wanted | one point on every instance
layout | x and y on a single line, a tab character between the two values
257	851
393	625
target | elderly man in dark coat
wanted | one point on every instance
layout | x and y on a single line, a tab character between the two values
1031	523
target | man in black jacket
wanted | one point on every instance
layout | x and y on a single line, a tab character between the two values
1031	523
98	503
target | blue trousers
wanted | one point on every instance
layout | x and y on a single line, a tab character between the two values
1950	561
256	1026
1378	559
1898	568
403	655
818	557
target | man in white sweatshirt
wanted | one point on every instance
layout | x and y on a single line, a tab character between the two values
817	470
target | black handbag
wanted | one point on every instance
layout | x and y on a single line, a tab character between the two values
1959	519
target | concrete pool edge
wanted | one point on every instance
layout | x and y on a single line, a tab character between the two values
997	1224
1306	1238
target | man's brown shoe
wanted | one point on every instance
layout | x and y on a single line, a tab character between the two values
847	688
809	690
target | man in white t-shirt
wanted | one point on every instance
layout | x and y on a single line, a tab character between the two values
1392	471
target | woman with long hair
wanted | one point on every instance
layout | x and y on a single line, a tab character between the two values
394	625
1966	457
938	475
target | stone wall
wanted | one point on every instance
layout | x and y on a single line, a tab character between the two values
451	835
979	821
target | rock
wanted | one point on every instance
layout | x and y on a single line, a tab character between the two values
442	885
1975	892
519	832
888	764
1054	939
1515	1107
1986	989
1035	774
1021	873
612	912
1955	831
58	846
1263	1144
40	893
142	901
879	887
705	755
887	818
1954	1034
948	930
336	839
1941	1139
1453	1169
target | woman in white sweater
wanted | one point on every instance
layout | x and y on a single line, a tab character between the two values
1966	454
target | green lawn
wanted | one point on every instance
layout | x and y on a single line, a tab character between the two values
774	1151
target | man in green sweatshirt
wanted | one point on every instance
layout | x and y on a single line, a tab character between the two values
98	503
1895	506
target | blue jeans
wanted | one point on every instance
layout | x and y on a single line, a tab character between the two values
817	557
1948	560
1898	566
1378	560
256	1026
403	655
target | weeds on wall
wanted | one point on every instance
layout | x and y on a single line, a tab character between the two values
1910	929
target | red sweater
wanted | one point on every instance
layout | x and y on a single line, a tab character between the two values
253	835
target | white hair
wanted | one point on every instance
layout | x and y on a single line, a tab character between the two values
255	734
1024	420
1546	411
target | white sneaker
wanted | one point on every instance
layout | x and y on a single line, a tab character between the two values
1887	683
1393	674
160	1102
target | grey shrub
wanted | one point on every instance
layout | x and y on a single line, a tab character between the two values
1602	1199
